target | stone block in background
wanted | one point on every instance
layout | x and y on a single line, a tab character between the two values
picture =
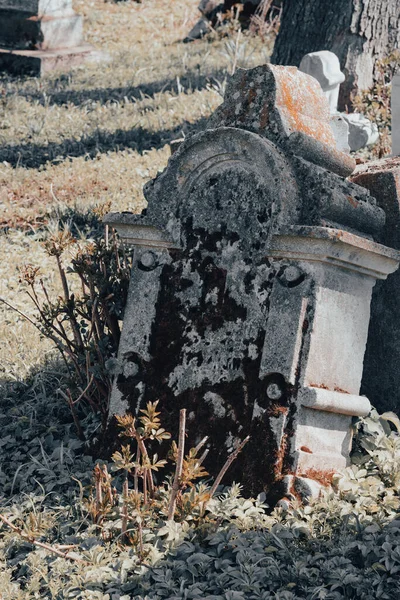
395	105
37	36
21	32
250	296
381	376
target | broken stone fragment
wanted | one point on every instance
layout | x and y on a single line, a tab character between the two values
362	132
324	66
200	29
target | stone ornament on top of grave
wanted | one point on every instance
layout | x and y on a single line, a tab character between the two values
324	66
37	36
250	292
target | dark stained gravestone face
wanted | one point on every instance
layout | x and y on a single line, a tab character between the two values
200	347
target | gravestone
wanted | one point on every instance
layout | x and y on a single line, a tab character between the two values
325	67
250	294
37	36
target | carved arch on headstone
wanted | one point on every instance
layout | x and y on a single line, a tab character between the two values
218	150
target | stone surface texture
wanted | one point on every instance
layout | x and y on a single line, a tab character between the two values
381	377
249	302
39	35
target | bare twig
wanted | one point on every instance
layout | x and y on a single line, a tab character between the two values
125	492
135	475
146	459
179	464
200	444
226	466
35	542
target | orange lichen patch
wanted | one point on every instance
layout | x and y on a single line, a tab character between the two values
353	202
276	409
320	386
323	477
340	390
280	456
302	104
306	449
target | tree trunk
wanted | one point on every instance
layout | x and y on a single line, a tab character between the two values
358	31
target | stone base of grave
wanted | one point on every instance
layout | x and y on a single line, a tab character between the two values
39	62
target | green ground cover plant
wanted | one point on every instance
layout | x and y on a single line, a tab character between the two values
73	528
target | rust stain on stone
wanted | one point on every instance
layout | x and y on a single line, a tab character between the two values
323	477
353	202
264	115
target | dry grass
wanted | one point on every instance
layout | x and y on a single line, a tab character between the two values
98	134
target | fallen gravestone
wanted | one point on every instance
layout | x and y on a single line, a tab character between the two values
250	295
325	67
37	36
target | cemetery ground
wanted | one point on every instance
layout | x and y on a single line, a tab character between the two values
69	144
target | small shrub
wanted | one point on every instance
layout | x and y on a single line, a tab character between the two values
83	322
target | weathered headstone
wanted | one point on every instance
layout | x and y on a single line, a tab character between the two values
324	66
395	106
250	294
40	35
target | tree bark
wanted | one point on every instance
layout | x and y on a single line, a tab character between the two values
358	31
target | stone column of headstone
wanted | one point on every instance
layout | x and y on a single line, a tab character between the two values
37	36
381	376
325	67
254	313
395	106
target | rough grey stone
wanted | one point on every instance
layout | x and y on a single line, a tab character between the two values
278	103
